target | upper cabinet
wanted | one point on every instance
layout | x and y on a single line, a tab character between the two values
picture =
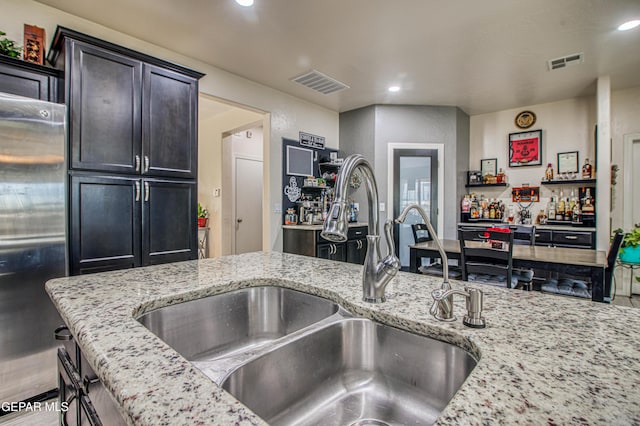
26	79
128	112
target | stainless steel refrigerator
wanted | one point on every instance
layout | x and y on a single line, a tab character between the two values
32	242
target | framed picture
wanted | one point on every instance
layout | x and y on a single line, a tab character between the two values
489	166
525	148
568	162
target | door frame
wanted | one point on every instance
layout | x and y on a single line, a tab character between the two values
439	147
234	184
627	220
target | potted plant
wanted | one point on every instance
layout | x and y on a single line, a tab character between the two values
630	250
203	216
8	47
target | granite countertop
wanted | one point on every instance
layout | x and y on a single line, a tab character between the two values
543	359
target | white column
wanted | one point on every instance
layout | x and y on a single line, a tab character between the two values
603	164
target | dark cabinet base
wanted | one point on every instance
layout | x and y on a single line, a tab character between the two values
308	242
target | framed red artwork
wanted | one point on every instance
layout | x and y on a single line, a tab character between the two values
525	148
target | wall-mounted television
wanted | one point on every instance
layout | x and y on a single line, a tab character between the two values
299	161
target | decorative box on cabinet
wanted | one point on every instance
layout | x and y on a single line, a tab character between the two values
27	79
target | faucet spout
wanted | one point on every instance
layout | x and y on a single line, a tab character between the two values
376	273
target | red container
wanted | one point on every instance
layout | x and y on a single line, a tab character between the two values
202	222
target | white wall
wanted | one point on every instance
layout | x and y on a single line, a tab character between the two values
625	119
566	126
289	115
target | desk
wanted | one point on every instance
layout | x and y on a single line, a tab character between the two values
579	262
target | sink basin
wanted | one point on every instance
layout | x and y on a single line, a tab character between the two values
352	372
224	324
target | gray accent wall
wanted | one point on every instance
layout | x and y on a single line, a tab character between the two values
369	130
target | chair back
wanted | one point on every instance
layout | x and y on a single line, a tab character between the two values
421	233
614	248
486	252
524	235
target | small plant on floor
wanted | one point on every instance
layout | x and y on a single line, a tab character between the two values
8	47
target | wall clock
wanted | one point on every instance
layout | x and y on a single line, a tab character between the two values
525	119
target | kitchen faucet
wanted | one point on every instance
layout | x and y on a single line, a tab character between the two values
376	273
442	308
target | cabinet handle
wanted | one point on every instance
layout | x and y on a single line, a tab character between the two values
146	163
59	335
536	235
137	191
570	237
87	382
146	191
137	163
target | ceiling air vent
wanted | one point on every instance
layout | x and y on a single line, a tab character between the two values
320	82
565	61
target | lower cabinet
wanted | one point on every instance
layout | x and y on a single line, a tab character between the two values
82	397
309	242
332	251
124	222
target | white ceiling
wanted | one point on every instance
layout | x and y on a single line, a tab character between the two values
479	55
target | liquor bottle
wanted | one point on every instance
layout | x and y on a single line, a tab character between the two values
548	174
560	207
587	206
551	208
587	169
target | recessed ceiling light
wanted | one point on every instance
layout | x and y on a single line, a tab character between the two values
629	25
394	88
245	3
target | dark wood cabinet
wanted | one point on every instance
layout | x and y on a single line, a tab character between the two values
169	233
123	222
169	124
332	251
105	110
308	242
128	116
132	154
30	80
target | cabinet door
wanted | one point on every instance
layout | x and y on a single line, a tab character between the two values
169	135
104	110
105	223
331	251
169	215
26	83
356	251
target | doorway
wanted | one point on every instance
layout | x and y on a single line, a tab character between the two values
631	200
414	179
242	189
248	204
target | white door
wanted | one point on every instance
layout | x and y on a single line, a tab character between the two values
248	205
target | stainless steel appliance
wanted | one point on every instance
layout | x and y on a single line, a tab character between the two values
32	242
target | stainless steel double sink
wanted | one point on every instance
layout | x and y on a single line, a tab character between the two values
295	358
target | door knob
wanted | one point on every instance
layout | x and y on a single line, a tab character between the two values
239	220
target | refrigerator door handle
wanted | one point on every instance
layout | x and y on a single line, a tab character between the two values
137	191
